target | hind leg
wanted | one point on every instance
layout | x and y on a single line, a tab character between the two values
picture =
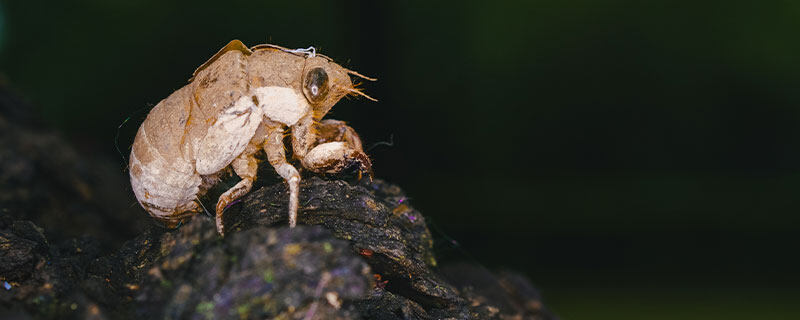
246	167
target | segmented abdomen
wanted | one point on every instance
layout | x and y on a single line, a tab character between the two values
163	179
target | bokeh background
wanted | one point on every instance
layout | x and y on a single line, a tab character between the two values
636	159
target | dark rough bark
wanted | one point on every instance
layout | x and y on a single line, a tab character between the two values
360	251
40	278
67	192
261	273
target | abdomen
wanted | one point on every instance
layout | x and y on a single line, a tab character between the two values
162	176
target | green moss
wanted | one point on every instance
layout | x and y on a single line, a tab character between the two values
205	308
243	310
166	283
268	276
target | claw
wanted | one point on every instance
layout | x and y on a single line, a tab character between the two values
358	162
221	206
218	221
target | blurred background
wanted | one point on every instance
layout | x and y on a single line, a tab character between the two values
635	159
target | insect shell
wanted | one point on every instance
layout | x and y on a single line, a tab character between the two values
239	102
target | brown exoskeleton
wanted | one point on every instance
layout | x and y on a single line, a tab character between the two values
239	102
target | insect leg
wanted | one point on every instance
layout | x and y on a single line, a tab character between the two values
273	147
304	136
335	130
337	147
245	167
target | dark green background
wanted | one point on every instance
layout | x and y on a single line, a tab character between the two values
637	159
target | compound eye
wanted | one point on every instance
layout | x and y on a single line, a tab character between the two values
315	85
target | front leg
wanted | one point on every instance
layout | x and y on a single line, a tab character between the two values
336	147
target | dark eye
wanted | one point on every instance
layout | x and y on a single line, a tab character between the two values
316	84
